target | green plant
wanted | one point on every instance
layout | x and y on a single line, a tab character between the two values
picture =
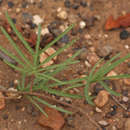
44	80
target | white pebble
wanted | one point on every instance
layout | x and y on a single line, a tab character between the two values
103	123
82	24
125	99
44	31
37	20
62	14
98	110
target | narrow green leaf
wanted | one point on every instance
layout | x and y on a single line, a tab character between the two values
51	106
15	46
33	102
86	94
19	34
60	93
109	89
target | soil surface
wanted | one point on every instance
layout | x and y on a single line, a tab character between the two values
92	38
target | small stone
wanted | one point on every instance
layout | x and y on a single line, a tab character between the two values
27	17
10	4
37	19
75	6
124	35
62	14
90	21
83	3
98	110
24	4
44	31
18	10
43	56
67	3
1	1
103	123
127	81
125	99
97	88
83	54
104	51
102	98
9	94
82	24
127	124
112	73
126	46
87	63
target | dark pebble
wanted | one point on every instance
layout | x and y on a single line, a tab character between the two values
67	3
112	113
11	84
47	38
97	88
27	17
10	4
14	20
124	35
32	25
17	107
125	92
74	32
83	3
126	115
1	1
40	4
90	21
65	39
75	6
5	116
114	107
24	4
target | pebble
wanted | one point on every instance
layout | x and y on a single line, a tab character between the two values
125	99
90	21
102	98
37	19
103	123
5	116
10	4
75	6
43	56
1	1
82	24
127	124
44	31
27	17
112	73
97	88
83	3
83	54
124	35
62	14
24	4
104	51
98	110
67	3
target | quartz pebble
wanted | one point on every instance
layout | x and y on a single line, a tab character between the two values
44	31
98	110
82	24
125	99
102	98
103	123
37	19
43	56
62	14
